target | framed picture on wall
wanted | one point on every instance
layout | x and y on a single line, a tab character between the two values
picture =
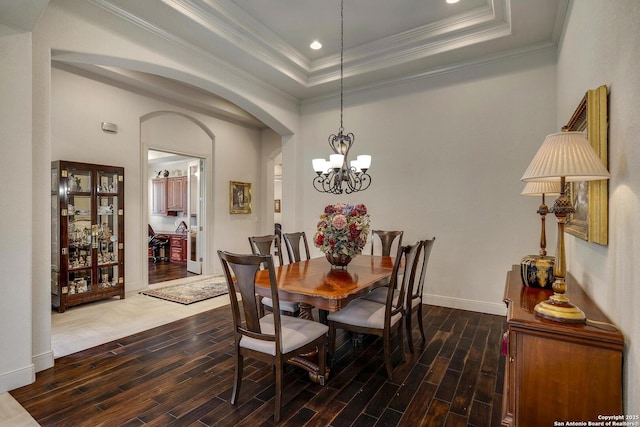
590	221
239	197
276	205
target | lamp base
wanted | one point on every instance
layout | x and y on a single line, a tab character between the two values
537	271
559	309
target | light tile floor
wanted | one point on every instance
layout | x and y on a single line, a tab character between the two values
89	325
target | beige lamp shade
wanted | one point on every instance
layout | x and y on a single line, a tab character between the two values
568	155
539	188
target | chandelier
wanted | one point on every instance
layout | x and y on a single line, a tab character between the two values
338	175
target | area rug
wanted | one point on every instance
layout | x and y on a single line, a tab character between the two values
192	290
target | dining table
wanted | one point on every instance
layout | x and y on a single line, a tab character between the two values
316	283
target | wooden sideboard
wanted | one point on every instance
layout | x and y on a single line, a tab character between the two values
558	372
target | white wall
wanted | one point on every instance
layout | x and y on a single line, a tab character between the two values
82	32
448	154
600	46
76	136
16	366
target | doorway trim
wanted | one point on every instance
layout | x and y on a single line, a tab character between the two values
207	188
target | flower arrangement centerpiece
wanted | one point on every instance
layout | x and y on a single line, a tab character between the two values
342	232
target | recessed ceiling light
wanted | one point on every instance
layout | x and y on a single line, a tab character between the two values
452	1
315	45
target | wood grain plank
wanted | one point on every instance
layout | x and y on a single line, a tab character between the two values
181	374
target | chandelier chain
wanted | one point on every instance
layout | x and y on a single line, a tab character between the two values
341	60
332	177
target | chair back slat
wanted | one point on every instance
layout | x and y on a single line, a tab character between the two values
292	242
386	240
267	245
240	272
406	261
416	291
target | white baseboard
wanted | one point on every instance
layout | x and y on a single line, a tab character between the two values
466	304
43	361
18	378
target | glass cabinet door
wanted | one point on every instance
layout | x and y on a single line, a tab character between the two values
79	231
55	232
107	226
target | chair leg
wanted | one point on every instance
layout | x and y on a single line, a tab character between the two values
279	369
387	353
420	322
332	341
322	360
408	316
237	380
401	341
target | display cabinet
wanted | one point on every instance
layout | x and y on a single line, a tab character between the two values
87	233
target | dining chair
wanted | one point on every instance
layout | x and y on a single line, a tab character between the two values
273	338
414	292
266	245
369	317
413	301
386	240
292	241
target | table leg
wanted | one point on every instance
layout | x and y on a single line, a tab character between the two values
309	361
305	311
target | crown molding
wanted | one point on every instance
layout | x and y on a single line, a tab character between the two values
223	65
228	22
438	71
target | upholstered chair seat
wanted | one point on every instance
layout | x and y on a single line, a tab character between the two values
364	313
295	332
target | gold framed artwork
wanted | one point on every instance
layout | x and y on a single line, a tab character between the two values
590	221
276	205
239	197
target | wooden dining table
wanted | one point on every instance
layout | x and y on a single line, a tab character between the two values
314	283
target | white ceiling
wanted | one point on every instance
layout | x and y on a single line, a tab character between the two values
18	16
384	40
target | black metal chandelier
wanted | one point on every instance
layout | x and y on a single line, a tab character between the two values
338	175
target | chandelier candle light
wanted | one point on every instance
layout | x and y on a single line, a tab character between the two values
563	157
332	176
537	270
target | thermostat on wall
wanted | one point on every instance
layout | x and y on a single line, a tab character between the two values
109	127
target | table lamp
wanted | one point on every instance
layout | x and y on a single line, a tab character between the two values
537	270
563	157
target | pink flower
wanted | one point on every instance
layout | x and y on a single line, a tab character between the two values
339	221
342	228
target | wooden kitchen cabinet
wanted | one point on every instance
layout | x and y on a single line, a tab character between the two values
159	196
178	248
177	193
558	372
169	195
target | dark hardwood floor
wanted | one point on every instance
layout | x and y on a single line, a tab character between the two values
161	271
181	374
